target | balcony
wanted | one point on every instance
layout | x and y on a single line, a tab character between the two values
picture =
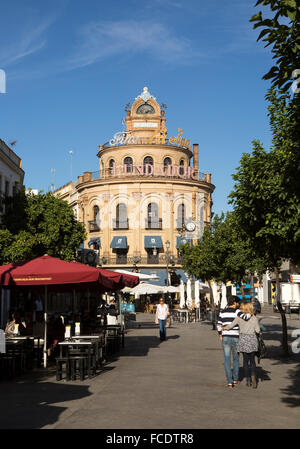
138	260
154	223
94	226
120	224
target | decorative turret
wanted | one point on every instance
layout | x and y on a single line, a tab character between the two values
145	118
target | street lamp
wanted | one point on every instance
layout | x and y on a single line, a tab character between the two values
167	260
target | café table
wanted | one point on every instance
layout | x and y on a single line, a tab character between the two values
22	349
184	312
98	339
87	345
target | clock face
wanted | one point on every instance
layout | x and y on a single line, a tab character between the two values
145	109
190	226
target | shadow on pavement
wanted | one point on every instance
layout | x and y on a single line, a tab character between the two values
31	403
292	392
140	345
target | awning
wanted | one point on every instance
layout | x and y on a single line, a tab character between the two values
153	241
182	241
119	242
93	241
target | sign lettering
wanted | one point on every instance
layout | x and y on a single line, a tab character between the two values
157	138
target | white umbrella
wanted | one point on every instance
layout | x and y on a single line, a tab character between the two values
189	300
203	287
182	298
171	289
144	289
139	275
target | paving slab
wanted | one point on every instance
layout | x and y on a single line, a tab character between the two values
176	384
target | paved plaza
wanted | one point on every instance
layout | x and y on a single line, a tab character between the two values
177	384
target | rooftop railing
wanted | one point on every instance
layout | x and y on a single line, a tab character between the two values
119	173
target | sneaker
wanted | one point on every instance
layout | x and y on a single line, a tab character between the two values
236	382
229	386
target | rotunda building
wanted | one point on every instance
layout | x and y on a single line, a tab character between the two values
146	198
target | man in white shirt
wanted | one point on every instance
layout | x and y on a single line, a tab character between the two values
162	313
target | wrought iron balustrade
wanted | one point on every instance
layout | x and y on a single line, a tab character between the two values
94	226
154	223
121	224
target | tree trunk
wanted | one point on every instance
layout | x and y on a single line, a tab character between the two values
285	346
212	299
212	304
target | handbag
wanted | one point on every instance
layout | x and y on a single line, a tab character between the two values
262	350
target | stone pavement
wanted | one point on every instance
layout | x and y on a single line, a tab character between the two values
177	384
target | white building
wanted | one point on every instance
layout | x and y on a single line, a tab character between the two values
11	173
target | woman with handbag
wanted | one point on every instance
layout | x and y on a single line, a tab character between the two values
248	344
162	313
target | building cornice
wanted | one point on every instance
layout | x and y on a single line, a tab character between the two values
151	180
145	146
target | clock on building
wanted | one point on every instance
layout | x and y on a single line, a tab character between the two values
145	109
190	226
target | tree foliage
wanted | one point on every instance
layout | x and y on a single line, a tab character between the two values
266	195
34	225
224	253
281	31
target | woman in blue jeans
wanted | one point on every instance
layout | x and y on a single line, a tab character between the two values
162	313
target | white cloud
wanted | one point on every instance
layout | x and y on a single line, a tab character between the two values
100	40
27	41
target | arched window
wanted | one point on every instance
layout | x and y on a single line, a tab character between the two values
181	169
148	160
94	225
129	163
180	216
121	221
167	162
111	166
152	211
96	213
153	221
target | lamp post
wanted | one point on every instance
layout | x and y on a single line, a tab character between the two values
167	260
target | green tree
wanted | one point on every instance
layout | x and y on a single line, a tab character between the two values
200	261
281	31
224	254
34	225
267	212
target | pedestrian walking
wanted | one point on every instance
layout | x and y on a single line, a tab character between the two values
248	344
230	338
162	313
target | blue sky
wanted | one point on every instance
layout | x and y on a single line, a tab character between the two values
72	66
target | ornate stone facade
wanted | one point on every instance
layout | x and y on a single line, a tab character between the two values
145	194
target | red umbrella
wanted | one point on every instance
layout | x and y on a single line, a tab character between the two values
121	279
48	270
